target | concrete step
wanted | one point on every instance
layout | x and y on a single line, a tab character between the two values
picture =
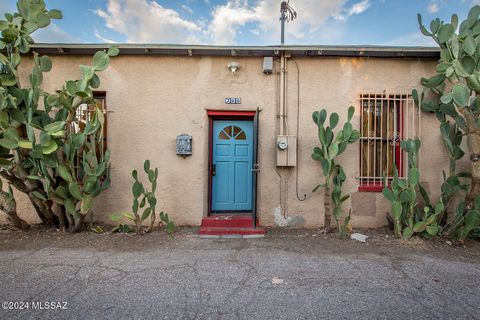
228	221
222	232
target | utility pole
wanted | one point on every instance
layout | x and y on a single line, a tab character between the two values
286	14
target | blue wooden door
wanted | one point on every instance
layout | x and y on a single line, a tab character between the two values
232	165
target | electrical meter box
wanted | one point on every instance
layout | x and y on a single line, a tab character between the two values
286	151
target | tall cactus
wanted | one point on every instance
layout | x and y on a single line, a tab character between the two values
452	137
456	87
60	168
332	146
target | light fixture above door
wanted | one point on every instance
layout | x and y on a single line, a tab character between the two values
233	66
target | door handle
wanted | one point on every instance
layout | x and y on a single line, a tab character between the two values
214	169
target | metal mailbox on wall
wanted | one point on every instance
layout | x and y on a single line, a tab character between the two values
184	145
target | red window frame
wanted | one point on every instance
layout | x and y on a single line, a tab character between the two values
376	185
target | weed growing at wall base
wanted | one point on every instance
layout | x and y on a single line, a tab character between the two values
144	198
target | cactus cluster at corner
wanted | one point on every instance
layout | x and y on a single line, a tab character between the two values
43	153
331	147
453	96
141	198
407	218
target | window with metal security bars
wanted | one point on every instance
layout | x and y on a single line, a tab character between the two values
84	114
385	120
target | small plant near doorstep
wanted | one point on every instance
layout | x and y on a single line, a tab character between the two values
331	146
96	229
408	219
122	228
145	198
165	220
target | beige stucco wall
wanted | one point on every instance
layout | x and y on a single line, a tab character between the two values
152	99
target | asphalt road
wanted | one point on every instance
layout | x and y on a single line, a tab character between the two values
279	277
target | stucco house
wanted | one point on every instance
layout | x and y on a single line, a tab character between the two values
248	112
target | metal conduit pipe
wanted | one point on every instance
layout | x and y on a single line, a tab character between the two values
282	107
276	132
287	14
284	174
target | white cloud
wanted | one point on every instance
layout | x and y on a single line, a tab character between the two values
433	6
102	38
359	7
53	34
412	39
227	19
144	21
356	8
187	8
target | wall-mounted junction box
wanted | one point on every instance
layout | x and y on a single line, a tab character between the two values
286	151
267	65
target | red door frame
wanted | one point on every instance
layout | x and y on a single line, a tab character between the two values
220	115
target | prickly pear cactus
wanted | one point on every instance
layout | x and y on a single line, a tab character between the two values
453	96
142	197
42	153
331	147
402	193
466	219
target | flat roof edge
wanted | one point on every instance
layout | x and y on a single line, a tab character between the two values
245	51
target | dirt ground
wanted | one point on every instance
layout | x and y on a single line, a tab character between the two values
380	241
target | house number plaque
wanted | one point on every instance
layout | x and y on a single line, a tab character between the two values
233	100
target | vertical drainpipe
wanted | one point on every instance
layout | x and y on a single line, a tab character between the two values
283	85
283	130
283	18
283	80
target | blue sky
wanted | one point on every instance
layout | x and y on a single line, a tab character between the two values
243	22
